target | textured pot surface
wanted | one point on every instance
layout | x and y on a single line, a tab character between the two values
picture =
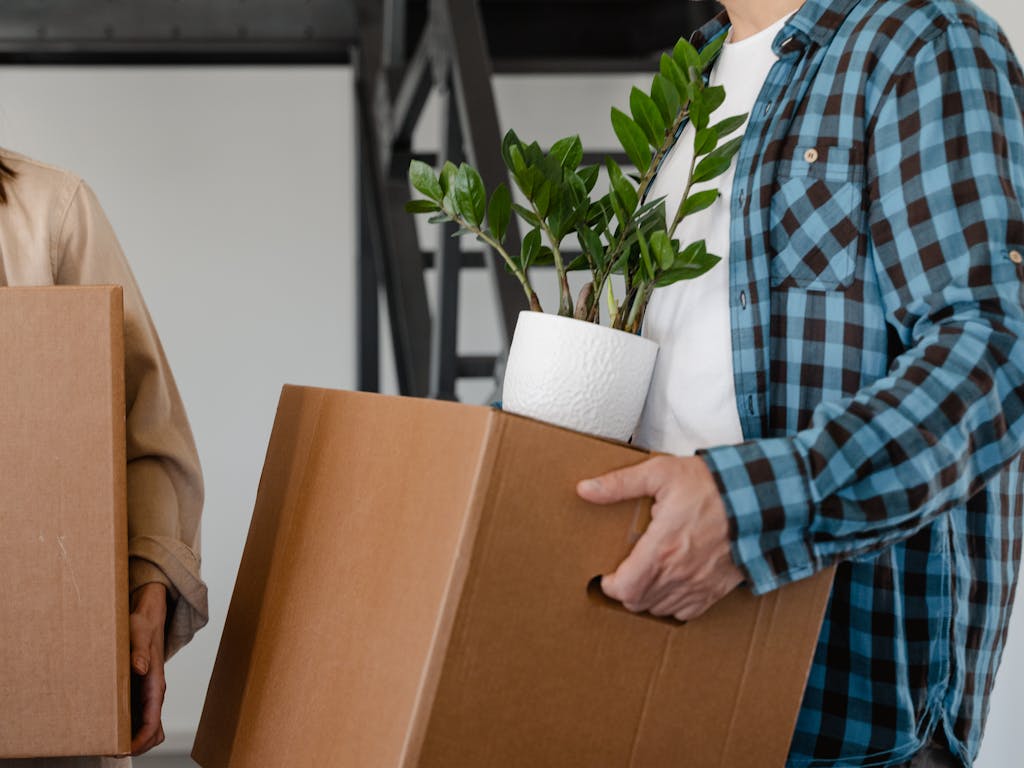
578	375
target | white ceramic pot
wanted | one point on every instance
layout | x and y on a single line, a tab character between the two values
578	375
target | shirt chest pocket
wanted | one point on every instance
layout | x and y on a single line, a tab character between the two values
817	218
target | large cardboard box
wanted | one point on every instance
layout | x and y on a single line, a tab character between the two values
414	592
64	674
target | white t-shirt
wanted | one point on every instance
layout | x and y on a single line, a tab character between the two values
692	400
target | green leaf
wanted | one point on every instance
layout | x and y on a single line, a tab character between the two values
447	178
705	141
663	249
693	262
729	149
710	168
622	187
424	181
533	153
510	140
689	272
671	72
422	206
470	195
526	215
590	244
713	97
578	264
650	205
517	161
568	152
589	176
691	252
442	218
645	258
647	116
729	125
531	248
544	258
542	198
616	204
632	138
499	212
666	97
698	201
710	51
699	116
686	56
718	162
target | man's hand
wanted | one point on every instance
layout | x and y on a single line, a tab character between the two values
682	564
149	614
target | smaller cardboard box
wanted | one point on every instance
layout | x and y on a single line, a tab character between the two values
64	674
414	592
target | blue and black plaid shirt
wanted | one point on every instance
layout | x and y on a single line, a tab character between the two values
878	336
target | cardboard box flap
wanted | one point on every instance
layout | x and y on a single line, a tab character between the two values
287	456
354	594
749	658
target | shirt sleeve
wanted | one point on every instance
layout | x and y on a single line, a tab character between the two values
946	168
165	485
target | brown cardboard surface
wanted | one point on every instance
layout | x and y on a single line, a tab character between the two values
414	593
64	674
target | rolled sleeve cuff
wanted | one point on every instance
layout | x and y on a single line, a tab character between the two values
768	497
180	565
142	572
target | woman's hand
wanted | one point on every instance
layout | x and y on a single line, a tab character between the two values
147	626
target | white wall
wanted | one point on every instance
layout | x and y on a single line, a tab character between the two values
233	193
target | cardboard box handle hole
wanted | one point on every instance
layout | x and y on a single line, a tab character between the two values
597	596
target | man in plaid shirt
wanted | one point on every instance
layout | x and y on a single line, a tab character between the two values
876	311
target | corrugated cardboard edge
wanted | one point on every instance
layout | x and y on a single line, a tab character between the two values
815	615
458	579
205	751
120	480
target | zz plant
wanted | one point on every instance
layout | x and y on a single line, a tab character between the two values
619	232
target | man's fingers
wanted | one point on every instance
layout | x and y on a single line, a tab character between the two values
632	581
630	483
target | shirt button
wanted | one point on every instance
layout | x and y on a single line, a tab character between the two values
743	299
768	108
1015	257
811	155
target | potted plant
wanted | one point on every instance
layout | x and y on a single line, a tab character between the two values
567	368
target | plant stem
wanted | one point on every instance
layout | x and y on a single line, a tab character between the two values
677	220
585	302
670	140
524	280
639	308
565	293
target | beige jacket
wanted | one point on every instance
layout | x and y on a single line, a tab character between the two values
53	232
